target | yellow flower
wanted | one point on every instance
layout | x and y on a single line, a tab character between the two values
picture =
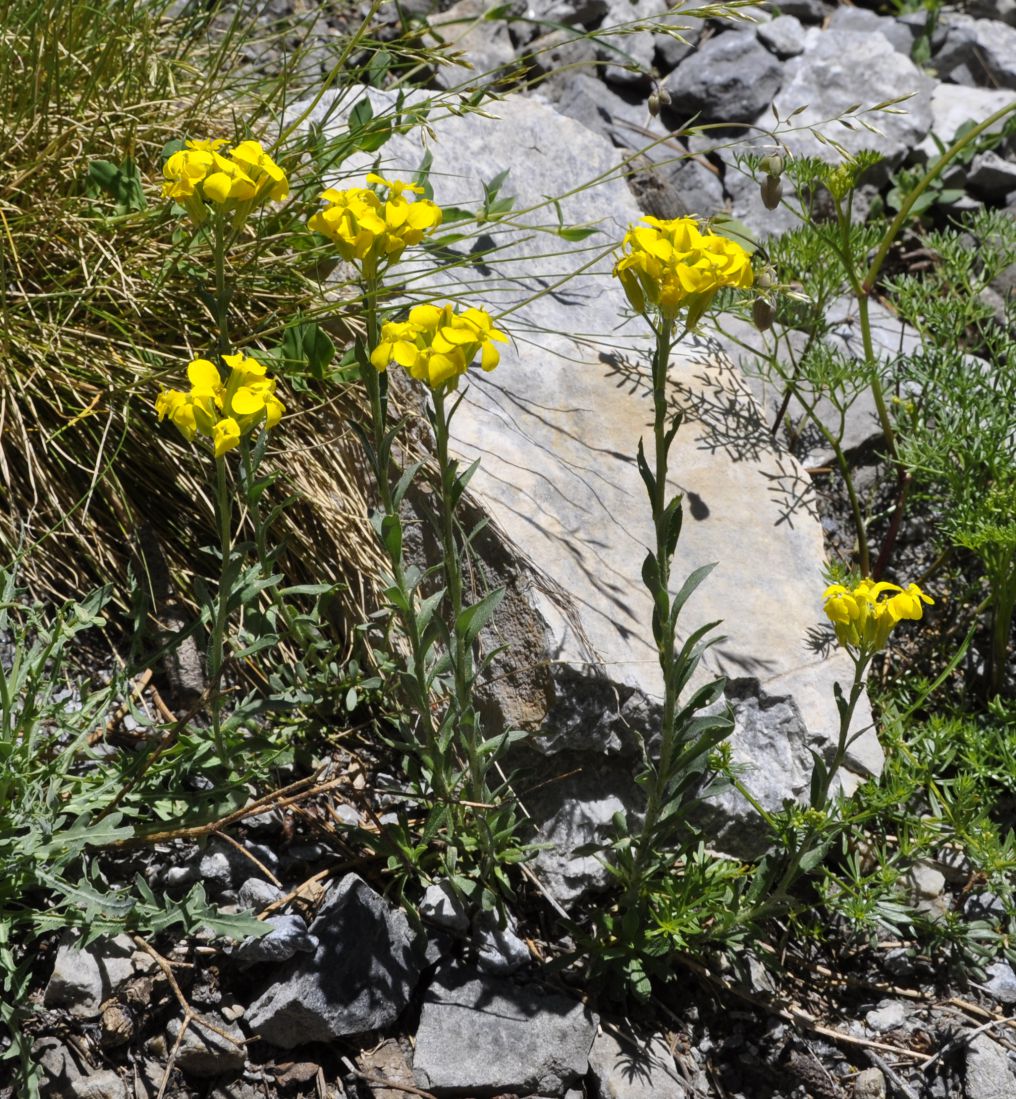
437	345
199	174
370	231
672	265
222	412
863	619
225	436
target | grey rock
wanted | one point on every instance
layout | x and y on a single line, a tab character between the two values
923	881
568	12
100	1085
783	36
203	1051
984	906
222	867
808	11
360	977
952	105
256	894
1001	984
440	906
58	1064
621	121
631	1069
991	176
846	18
499	949
560	50
674	46
481	49
481	1033
987	1072
288	937
569	528
669	183
869	1083
1002	11
979	52
889	1015
628	53
731	78
82	979
826	79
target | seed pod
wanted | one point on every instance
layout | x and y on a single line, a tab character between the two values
763	314
771	191
653	103
766	279
772	165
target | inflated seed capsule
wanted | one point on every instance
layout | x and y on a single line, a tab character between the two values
771	191
766	279
772	165
762	314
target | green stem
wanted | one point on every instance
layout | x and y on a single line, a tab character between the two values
461	656
221	298
217	643
661	605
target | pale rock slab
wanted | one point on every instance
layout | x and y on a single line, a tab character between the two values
556	428
834	70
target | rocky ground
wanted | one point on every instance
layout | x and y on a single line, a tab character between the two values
345	996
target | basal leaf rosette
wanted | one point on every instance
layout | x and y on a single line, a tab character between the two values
222	411
372	229
865	615
203	175
437	345
670	266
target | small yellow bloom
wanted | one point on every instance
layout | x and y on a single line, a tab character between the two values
865	616
234	182
437	345
372	231
225	436
671	266
222	411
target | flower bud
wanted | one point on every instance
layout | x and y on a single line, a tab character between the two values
767	279
763	314
771	191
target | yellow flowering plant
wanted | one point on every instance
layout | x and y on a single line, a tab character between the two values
864	616
670	270
450	760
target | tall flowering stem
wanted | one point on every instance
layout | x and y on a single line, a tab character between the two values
669	270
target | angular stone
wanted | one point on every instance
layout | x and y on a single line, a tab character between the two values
484	48
991	176
634	1070
867	22
441	907
827	79
731	78
627	54
499	949
82	979
288	937
568	12
557	426
808	11
952	105
1001	984
205	1052
980	52
360	977
783	36
481	1034
104	1084
988	1075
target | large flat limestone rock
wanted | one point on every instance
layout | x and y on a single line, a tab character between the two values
556	427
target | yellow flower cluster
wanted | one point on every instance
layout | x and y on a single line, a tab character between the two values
222	412
437	345
864	619
373	232
673	265
237	181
